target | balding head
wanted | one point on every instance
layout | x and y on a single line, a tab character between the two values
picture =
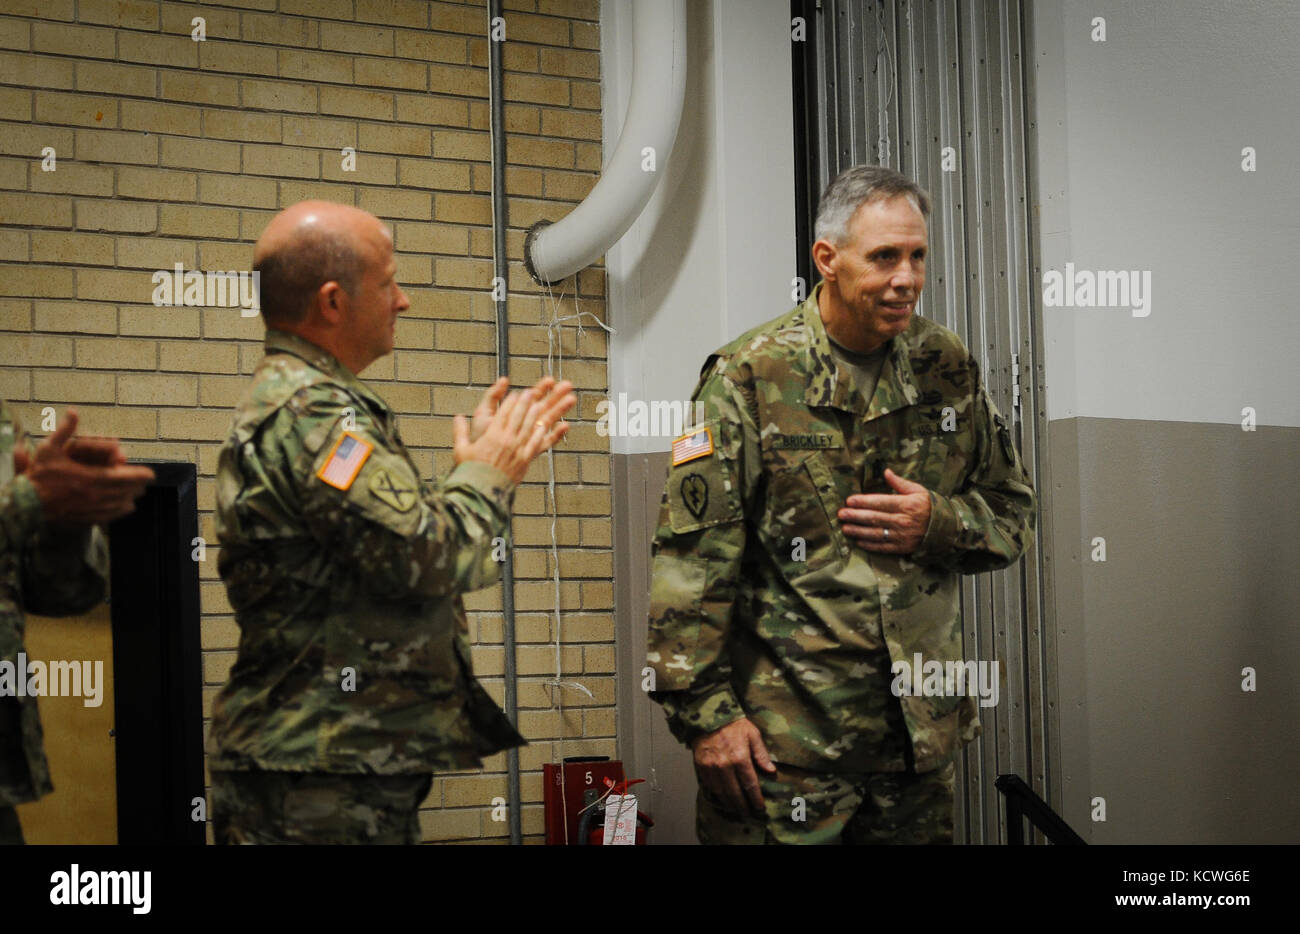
304	247
328	274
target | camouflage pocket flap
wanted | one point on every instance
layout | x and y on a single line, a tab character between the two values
800	526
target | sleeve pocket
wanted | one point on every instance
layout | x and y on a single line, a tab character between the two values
701	493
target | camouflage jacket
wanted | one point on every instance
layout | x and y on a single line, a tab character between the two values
760	606
345	571
45	571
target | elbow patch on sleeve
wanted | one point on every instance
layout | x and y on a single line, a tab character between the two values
676	617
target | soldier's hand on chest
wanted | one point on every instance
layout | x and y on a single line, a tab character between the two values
889	523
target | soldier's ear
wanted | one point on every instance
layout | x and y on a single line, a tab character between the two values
823	254
332	302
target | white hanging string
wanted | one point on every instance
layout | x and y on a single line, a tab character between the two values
555	368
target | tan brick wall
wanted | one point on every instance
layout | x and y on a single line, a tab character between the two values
175	151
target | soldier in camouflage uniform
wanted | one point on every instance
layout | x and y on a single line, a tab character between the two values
852	465
345	569
53	561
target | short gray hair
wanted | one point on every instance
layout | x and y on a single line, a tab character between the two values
857	186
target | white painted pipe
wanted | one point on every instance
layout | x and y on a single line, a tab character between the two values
556	251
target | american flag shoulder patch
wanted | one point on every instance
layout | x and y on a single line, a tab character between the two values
694	444
344	463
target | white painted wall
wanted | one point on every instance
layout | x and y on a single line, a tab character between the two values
1140	168
714	252
712	256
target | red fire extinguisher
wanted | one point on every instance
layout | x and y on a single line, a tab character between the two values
591	826
571	788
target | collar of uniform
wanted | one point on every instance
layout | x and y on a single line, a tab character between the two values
827	386
323	360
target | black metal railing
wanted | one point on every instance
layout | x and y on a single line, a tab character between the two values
1022	802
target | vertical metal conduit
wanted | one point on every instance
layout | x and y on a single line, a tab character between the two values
498	132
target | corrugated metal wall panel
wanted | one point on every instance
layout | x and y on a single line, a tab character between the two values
903	83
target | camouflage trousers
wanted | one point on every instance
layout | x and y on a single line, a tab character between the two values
822	808
15	778
316	807
11	832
